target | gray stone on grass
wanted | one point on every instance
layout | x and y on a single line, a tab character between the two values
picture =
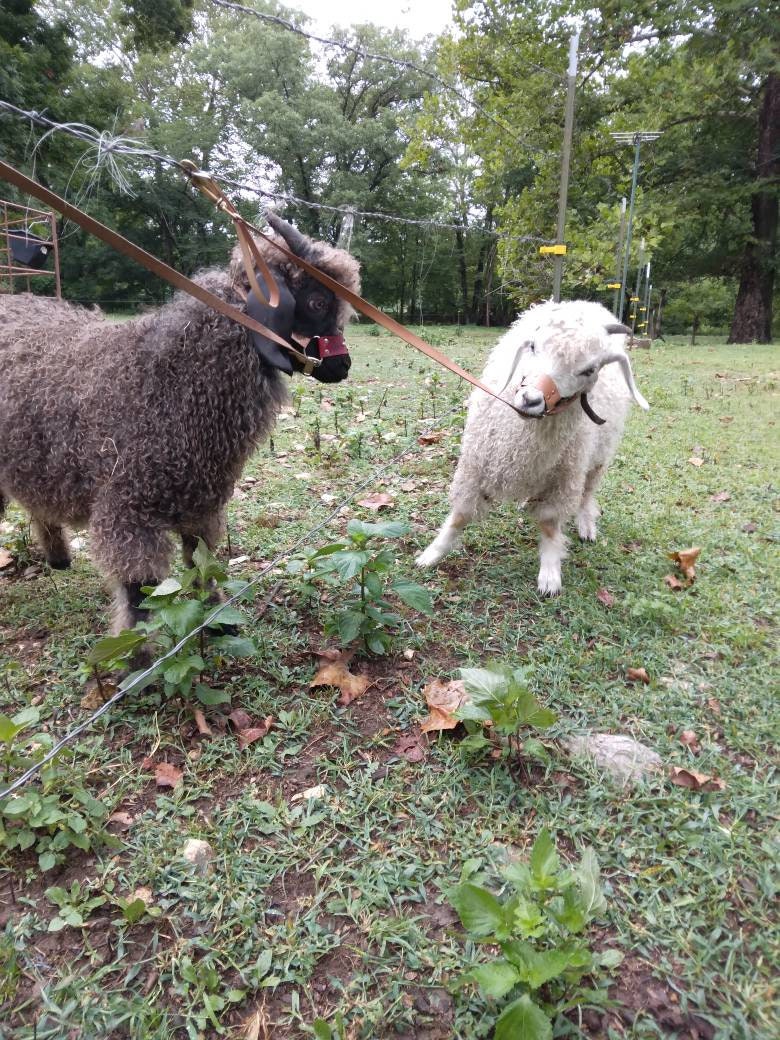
199	853
622	757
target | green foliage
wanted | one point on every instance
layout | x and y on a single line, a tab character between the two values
176	609
56	815
500	695
74	905
361	577
538	927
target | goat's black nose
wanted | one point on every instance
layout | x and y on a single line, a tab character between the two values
531	401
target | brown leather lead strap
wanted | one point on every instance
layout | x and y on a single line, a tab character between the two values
151	263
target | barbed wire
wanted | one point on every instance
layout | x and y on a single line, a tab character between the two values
403	63
122	692
109	147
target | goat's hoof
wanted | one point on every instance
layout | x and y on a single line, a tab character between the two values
429	557
549	584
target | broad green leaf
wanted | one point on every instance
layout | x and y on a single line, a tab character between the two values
134	911
25	839
47	860
544	861
535	749
114	648
609	959
589	884
348	625
56	894
568	910
210	697
495	979
542	718
265	960
483	683
349	564
523	1020
383	529
182	617
535	968
322	1030
165	588
413	595
57	924
77	822
28	716
8	730
20	805
529	919
479	910
235	646
183	668
229	616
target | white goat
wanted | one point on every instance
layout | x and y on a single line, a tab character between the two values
550	457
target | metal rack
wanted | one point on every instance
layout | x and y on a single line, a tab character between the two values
17	218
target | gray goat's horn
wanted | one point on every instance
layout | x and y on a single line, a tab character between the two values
297	241
619	330
621	358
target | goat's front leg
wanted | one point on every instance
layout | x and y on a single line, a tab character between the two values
449	537
51	539
552	550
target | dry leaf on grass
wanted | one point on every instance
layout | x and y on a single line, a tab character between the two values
443	698
430	438
695	781
685	560
167	775
689	738
95	695
252	733
336	673
638	675
605	596
377	500
241	719
121	821
673	582
6	559
721	496
696	461
411	746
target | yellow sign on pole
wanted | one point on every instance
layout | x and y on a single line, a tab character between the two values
559	249
613	285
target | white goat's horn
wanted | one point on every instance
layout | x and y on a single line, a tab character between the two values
619	330
625	366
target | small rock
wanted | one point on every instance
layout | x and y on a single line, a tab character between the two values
237	560
199	853
622	757
409	655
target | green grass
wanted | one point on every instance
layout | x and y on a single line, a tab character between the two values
338	904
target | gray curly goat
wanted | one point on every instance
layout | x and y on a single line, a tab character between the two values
141	429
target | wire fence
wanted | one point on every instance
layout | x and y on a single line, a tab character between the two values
139	680
108	148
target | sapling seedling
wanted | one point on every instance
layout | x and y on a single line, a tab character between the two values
537	923
501	697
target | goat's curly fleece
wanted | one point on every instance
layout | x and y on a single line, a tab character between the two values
135	429
553	465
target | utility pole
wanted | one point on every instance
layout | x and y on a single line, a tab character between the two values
636	138
635	298
568	131
646	306
619	255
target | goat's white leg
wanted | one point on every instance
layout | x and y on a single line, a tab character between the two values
449	537
552	550
589	511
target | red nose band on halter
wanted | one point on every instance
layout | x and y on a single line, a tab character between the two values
553	402
331	346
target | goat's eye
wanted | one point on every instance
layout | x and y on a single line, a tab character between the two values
317	303
588	371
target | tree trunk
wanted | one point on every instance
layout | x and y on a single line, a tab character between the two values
753	310
464	285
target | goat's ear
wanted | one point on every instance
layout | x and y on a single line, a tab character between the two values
298	242
625	367
618	330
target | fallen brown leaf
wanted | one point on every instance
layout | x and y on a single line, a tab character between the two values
685	560
696	461
430	438
695	781
721	496
689	738
443	698
638	675
409	485
240	719
673	582
377	500
200	721
714	705
96	695
167	775
410	746
122	821
336	673
252	733
605	596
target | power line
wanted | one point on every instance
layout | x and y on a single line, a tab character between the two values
109	147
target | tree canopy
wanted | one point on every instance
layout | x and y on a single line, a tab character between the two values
457	139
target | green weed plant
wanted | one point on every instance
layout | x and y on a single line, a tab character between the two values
500	696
